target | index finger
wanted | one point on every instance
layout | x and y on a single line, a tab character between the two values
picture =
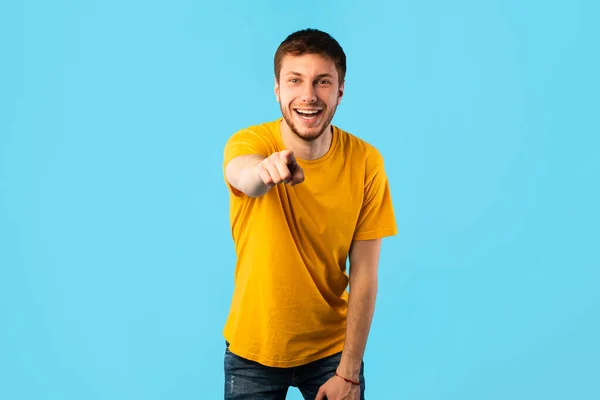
321	395
288	156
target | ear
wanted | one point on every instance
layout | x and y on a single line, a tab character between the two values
341	93
276	90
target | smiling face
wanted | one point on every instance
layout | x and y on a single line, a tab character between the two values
308	92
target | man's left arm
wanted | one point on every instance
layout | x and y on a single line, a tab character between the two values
364	262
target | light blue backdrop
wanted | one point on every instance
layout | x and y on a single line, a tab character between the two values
116	263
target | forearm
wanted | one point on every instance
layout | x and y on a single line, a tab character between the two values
361	307
242	174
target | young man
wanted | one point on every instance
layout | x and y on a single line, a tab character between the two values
304	196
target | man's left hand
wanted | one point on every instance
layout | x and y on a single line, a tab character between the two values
338	389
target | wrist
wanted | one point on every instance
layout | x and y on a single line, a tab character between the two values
349	368
251	180
350	374
354	382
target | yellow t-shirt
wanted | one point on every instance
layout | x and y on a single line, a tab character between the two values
290	300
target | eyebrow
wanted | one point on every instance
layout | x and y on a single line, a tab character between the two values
326	75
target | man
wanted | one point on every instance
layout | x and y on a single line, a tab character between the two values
304	196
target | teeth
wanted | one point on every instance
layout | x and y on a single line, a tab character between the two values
308	111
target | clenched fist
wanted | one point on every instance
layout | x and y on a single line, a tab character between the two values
280	167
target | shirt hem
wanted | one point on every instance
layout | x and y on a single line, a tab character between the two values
285	364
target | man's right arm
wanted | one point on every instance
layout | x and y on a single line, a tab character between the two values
242	174
254	175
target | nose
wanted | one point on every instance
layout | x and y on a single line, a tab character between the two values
309	94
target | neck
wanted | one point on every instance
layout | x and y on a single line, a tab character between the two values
306	149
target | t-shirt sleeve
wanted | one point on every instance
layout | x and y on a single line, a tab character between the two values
243	142
376	219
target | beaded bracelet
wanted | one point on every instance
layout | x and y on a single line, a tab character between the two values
347	380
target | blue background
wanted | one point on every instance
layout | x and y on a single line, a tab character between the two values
116	261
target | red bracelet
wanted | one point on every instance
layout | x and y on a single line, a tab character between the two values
347	380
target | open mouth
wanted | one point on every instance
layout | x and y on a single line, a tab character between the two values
309	115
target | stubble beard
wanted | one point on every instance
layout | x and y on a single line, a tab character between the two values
289	119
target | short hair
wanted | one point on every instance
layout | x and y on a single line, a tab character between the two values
312	41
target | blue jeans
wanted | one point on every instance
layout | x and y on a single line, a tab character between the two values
249	380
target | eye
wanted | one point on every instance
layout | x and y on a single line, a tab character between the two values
294	80
324	82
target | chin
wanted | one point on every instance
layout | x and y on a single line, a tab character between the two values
308	134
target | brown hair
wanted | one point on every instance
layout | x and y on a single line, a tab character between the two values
312	41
